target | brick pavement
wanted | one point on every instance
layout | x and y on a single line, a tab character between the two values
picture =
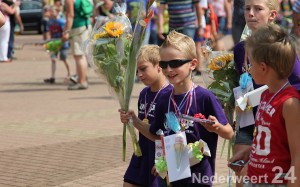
50	136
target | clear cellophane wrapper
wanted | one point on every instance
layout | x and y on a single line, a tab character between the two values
107	51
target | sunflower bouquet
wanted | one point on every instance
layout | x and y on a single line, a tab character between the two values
221	77
112	50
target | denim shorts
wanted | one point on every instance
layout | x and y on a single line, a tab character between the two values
223	26
63	54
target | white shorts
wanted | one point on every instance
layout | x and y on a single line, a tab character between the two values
78	37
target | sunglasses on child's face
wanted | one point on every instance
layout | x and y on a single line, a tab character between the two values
173	63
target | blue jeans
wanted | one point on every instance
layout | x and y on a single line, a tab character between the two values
188	31
11	42
222	22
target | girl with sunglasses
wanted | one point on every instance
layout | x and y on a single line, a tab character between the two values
148	72
178	60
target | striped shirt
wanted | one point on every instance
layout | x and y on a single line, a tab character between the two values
296	7
182	13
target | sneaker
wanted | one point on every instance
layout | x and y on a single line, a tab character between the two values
74	79
50	80
78	87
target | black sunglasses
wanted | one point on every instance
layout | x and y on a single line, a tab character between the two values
173	63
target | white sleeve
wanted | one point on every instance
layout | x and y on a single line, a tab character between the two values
203	4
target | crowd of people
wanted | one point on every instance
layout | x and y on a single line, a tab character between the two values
166	64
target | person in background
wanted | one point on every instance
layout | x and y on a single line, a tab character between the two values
222	9
7	8
285	12
78	28
179	13
56	26
19	26
153	28
296	18
15	20
238	19
103	11
132	13
46	15
184	17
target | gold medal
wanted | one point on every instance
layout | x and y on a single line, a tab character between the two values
145	120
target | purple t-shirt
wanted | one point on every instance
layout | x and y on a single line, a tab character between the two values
205	103
239	55
139	169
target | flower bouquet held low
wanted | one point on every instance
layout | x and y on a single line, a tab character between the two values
112	50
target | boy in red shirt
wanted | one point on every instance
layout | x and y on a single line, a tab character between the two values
274	159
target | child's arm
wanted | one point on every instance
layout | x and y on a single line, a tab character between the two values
225	131
19	21
291	113
199	14
138	124
160	20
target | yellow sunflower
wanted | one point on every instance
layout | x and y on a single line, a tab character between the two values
114	29
219	62
100	35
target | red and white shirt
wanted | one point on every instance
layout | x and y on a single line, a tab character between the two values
270	157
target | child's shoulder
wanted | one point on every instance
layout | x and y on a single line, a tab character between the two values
167	89
145	90
203	93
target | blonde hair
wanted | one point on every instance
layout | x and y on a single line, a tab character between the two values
273	46
182	43
149	53
272	4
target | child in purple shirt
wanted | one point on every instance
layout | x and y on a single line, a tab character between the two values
178	60
148	72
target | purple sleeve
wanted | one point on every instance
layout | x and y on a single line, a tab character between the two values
294	78
208	104
216	108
